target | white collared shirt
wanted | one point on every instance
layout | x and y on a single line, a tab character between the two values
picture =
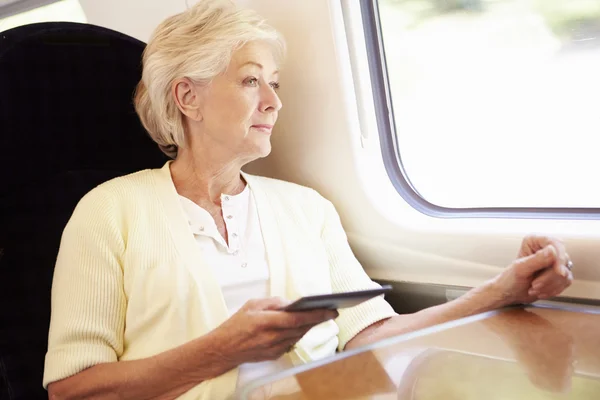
241	267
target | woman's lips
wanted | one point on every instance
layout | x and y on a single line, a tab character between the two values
263	127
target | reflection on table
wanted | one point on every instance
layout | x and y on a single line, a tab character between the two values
521	353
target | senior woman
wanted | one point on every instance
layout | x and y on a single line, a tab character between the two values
168	282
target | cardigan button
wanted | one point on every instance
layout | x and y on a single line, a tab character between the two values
244	265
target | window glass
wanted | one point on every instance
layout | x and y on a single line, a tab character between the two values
496	101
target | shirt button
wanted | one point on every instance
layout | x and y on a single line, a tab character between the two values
226	198
235	253
201	229
229	216
244	265
234	235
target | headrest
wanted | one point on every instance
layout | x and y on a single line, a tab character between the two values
66	104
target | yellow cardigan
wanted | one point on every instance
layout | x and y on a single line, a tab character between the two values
130	281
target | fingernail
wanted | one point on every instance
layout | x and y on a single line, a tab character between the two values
548	251
533	292
565	271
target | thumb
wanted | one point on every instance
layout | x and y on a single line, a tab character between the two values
541	259
274	303
264	304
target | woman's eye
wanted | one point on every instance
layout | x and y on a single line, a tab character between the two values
251	81
275	85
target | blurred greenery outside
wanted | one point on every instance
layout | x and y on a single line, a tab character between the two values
562	16
477	84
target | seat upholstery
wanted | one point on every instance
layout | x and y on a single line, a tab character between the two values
67	124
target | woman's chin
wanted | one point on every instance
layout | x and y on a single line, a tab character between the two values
265	152
263	148
260	150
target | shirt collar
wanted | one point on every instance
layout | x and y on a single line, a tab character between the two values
199	216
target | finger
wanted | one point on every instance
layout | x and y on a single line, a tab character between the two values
550	288
562	286
269	303
541	290
311	318
570	278
546	279
544	290
296	334
560	265
304	318
285	345
277	335
561	255
527	266
533	243
275	349
269	338
288	337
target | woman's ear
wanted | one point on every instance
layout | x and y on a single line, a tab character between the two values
187	98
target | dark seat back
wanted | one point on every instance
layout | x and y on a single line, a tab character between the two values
67	124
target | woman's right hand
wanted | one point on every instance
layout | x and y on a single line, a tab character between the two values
258	332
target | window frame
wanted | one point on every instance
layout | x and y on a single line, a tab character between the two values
392	160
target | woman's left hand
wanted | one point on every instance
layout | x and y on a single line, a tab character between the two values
553	280
540	272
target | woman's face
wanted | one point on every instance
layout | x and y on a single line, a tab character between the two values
240	106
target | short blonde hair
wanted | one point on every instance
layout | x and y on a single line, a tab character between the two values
197	44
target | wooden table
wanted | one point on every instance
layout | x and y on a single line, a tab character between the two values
550	352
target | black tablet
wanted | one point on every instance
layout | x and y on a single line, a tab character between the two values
335	300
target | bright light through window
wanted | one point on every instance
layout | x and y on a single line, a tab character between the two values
496	102
65	10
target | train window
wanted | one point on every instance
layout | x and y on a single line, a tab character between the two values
492	103
64	10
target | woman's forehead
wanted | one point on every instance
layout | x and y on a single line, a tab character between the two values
257	54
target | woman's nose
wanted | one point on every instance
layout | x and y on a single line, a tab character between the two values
270	100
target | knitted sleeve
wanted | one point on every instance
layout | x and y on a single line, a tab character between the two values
88	304
347	275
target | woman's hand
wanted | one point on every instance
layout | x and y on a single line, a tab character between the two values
551	281
258	332
539	273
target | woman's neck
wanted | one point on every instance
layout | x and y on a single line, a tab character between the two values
202	179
